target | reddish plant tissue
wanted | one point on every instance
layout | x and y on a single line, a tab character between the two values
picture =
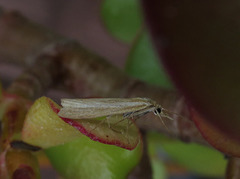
23	172
106	139
198	42
214	136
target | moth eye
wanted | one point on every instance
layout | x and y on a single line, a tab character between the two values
158	111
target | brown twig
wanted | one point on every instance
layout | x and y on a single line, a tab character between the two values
233	168
143	170
83	73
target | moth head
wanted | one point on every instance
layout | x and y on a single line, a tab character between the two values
158	110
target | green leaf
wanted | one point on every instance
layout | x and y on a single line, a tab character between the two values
159	171
143	63
84	158
158	167
196	158
122	18
44	128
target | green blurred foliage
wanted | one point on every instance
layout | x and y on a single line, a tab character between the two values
143	63
159	171
84	158
158	167
122	18
196	158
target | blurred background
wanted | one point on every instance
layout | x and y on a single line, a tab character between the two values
81	20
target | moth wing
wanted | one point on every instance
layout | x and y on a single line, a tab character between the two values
105	102
97	107
87	113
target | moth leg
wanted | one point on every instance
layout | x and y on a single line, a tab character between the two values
121	132
138	114
127	131
102	121
125	117
117	131
128	125
108	121
119	121
111	126
129	122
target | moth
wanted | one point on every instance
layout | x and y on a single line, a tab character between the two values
99	107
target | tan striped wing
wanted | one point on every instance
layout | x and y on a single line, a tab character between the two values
98	107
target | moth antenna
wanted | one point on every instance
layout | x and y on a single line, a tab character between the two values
159	115
167	112
167	116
